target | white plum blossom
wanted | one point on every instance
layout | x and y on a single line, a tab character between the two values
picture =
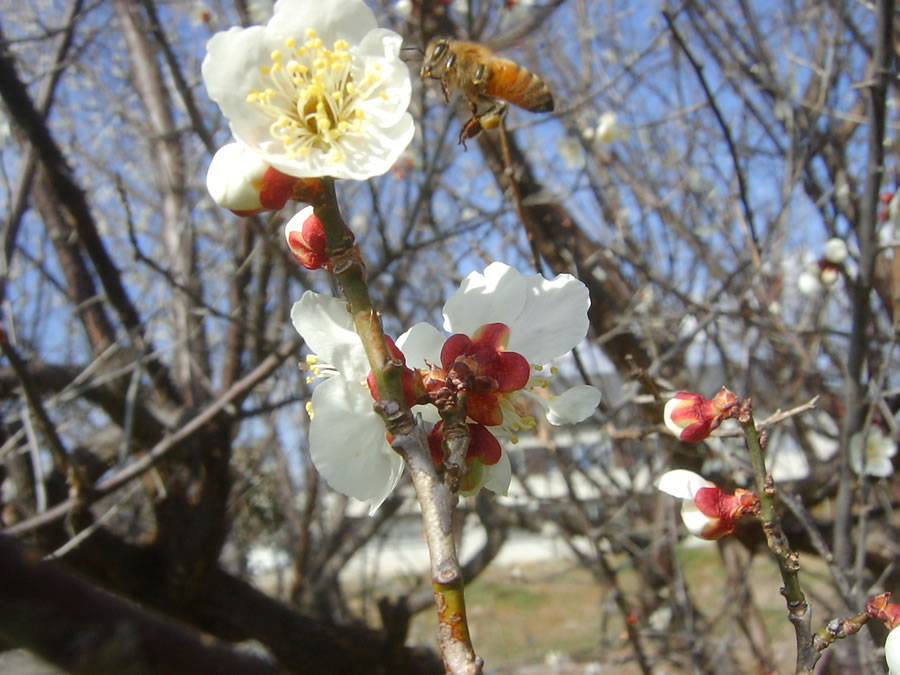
319	90
607	128
347	441
546	318
880	448
836	251
808	281
523	321
572	153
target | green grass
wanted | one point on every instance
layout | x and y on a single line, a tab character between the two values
560	608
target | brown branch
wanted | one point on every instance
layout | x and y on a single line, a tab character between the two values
726	131
161	449
72	199
47	610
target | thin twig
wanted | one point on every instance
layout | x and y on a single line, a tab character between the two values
726	132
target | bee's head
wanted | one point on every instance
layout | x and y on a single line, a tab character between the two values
435	62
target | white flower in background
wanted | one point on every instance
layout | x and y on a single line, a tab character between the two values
259	10
607	128
836	251
319	90
879	450
808	282
403	8
823	435
571	152
347	440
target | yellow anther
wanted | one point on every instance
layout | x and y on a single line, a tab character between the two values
264	71
275	55
340	45
290	42
309	410
310	32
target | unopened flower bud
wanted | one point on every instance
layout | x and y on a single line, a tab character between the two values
836	251
889	612
306	238
829	273
241	182
707	511
692	417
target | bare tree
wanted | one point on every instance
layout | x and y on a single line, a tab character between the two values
699	157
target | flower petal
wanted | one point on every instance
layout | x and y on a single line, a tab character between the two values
497	476
554	319
230	70
696	522
682	483
347	443
327	328
421	343
574	405
497	295
234	178
348	20
892	651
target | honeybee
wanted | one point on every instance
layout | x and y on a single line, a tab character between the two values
486	80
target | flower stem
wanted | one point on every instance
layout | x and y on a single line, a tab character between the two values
799	612
436	501
350	272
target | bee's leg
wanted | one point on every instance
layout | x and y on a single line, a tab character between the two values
445	87
473	127
470	130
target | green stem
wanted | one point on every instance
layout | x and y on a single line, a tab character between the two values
799	612
436	501
350	272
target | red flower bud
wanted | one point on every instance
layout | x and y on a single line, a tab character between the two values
306	238
692	417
